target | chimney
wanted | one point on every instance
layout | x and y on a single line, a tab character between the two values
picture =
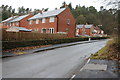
66	6
86	23
41	11
12	15
30	13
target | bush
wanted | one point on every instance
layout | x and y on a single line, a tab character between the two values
15	44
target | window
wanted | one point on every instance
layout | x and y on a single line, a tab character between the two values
4	24
36	29
51	19
10	24
17	23
13	24
30	22
43	20
51	30
43	30
37	21
68	21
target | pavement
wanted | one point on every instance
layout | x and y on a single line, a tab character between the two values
11	54
96	68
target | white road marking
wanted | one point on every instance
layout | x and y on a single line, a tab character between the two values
88	61
73	76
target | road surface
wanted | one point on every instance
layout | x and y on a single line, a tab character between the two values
56	63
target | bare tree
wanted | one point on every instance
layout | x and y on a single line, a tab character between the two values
112	3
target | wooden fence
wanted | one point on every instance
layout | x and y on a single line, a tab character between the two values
18	36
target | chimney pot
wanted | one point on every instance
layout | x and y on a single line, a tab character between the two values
66	6
12	15
41	11
30	13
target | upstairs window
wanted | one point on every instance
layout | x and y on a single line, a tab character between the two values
37	21
30	22
68	21
10	24
13	24
36	29
17	23
51	19
43	20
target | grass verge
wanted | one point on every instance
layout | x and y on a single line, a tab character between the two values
110	51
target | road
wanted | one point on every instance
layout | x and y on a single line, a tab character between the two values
57	63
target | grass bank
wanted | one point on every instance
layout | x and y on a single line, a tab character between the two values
109	52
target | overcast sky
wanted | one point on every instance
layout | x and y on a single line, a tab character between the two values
51	4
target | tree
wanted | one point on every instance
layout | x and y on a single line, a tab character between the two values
81	19
70	6
92	9
63	4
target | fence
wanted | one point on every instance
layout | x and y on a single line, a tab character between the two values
19	36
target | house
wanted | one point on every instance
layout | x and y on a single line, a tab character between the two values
99	32
55	21
85	30
80	30
17	29
5	23
19	21
89	29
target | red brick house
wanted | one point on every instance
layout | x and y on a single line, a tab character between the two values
6	24
80	30
18	21
89	30
55	21
21	21
85	30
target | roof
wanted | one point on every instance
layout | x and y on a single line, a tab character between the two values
47	14
97	28
19	18
21	28
88	26
80	26
6	20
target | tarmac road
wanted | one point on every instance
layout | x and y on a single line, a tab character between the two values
56	63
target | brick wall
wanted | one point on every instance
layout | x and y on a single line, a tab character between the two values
62	23
45	25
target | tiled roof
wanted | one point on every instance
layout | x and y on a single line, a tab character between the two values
97	28
19	18
80	26
88	26
9	19
47	14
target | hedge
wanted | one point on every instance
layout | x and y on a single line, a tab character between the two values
13	44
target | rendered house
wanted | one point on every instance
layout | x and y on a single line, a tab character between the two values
55	21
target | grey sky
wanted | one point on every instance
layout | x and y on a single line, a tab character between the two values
51	4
